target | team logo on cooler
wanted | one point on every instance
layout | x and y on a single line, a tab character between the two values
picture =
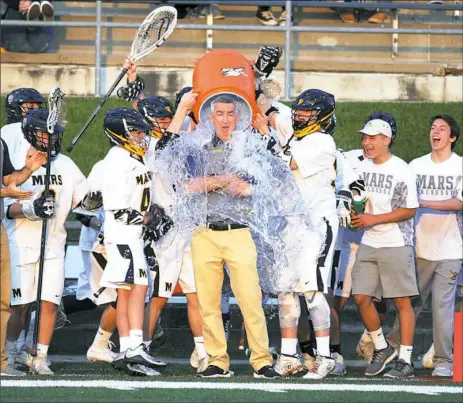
231	72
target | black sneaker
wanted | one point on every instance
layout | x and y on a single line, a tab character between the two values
380	359
267	372
213	371
401	370
226	324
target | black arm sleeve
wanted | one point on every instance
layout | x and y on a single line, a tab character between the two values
165	140
84	219
8	167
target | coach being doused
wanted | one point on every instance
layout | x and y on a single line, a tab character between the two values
227	185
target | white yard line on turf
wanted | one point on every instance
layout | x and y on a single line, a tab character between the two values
262	386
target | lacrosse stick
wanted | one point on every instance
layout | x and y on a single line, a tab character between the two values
151	34
56	116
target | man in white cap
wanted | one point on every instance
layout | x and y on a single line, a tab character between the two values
385	263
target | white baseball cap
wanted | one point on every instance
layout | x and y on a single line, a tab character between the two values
375	127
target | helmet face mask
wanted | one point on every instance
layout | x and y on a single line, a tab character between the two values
313	111
34	128
19	101
127	129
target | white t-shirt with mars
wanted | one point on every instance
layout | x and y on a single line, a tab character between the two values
390	185
438	233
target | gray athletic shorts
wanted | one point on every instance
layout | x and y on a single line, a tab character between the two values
385	272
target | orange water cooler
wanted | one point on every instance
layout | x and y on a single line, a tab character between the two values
458	347
224	71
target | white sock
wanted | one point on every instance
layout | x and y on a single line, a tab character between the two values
225	305
124	343
42	349
200	348
102	337
288	346
405	353
136	338
323	346
365	336
378	339
147	344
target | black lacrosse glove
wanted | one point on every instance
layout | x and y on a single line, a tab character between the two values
132	90
44	207
159	223
92	201
268	59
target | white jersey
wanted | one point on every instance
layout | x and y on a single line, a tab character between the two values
438	233
67	184
345	172
12	135
126	185
315	156
390	185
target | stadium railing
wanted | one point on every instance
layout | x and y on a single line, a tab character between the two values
288	29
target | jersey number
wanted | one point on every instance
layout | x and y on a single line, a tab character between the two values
145	200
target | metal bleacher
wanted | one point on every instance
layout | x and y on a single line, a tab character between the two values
311	51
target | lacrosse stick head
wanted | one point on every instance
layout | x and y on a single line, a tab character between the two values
57	109
153	31
271	89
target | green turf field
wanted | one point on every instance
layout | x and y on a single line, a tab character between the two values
412	118
99	382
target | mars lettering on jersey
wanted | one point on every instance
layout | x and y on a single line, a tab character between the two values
438	184
40	180
378	183
144	178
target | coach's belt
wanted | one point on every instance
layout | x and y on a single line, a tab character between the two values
221	226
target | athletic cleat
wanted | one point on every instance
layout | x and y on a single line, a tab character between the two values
365	349
119	362
139	355
39	366
213	371
24	358
340	368
267	372
142	370
428	358
309	361
13	372
288	365
99	353
442	371
401	370
380	359
322	368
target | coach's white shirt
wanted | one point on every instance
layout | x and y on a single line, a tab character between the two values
438	233
126	185
69	187
390	185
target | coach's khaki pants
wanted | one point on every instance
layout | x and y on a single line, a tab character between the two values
5	293
210	250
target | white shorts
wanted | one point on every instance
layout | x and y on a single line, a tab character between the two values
174	264
24	279
88	285
126	266
343	284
